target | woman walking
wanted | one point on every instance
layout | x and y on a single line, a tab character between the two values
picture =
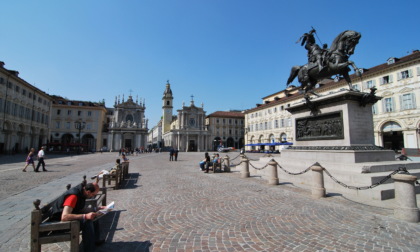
30	159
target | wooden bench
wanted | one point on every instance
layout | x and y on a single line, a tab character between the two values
117	177
44	231
215	167
125	166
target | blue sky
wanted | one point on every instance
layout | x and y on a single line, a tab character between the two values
227	53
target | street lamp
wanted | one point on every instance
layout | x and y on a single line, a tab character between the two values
79	125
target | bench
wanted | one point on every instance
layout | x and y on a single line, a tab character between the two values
125	166
215	167
44	231
116	176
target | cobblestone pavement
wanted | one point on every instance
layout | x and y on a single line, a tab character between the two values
172	206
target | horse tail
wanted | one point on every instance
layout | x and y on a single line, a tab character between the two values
293	73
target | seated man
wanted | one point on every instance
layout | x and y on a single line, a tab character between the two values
216	161
216	158
203	162
69	207
112	171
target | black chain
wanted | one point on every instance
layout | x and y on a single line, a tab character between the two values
256	168
400	169
236	164
291	173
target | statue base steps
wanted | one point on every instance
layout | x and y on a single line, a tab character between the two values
355	174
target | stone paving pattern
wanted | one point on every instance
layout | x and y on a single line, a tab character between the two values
173	206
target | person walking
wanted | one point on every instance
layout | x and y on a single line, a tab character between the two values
30	159
176	154
41	155
171	154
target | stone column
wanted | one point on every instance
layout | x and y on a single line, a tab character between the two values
245	167
405	198
318	189
227	164
272	173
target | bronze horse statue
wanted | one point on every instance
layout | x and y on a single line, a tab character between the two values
335	61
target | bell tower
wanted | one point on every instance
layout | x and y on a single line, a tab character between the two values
167	108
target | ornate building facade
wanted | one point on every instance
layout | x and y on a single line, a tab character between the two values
24	114
127	126
187	130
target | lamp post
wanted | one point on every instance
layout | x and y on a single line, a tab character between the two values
79	125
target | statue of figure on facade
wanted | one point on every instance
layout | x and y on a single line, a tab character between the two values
326	62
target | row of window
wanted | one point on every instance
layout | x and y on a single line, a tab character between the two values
23	92
287	122
68	125
79	112
22	112
407	101
229	121
268	111
388	79
70	103
230	132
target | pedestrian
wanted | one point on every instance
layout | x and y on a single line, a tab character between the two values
30	159
176	154
171	154
41	156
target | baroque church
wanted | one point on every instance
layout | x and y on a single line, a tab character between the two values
127	126
185	131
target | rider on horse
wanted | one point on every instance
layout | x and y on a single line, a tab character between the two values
315	53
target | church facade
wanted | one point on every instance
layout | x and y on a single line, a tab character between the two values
185	131
127	127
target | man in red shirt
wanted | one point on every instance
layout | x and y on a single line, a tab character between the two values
70	206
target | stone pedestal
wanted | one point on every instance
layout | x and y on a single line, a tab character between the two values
405	198
335	128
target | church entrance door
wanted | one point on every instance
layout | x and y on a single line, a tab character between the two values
127	143
191	146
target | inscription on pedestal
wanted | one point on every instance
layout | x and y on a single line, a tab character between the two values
321	127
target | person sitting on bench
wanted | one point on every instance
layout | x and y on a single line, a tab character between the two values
112	171
70	205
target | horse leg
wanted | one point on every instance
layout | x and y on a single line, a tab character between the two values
347	78
356	70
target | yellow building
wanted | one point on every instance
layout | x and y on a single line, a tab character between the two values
24	114
77	125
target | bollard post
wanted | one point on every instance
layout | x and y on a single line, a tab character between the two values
405	198
245	167
318	188
227	164
273	178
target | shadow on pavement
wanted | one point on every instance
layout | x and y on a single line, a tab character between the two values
131	182
108	227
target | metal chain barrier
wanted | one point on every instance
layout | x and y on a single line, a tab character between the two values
236	164
256	168
250	159
400	169
291	173
235	157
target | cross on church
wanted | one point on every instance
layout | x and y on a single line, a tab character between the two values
130	91
192	97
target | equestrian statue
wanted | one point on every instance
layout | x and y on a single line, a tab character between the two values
323	62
